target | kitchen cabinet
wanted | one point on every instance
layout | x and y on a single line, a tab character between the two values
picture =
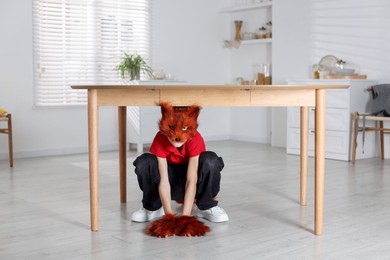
142	122
340	105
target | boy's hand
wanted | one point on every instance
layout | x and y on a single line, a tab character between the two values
164	188
190	189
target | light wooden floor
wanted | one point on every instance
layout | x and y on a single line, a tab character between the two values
44	210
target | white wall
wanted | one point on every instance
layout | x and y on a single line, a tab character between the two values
357	31
187	40
290	54
37	132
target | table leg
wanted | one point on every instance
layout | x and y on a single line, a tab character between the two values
320	119
382	139
93	134
353	137
304	153
122	152
10	144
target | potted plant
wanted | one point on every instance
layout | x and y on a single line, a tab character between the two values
132	66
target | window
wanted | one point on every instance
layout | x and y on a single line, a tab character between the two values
81	42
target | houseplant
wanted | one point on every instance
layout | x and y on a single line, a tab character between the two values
132	65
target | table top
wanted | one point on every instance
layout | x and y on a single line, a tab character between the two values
225	87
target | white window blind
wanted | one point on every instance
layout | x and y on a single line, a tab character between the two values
81	42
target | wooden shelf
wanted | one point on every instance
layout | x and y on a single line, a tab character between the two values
256	41
241	8
234	44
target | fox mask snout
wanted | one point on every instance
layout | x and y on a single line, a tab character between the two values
178	123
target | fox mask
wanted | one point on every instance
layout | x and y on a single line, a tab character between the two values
178	123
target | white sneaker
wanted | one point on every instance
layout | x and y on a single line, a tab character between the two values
144	215
214	214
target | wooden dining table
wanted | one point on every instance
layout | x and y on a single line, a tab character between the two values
121	96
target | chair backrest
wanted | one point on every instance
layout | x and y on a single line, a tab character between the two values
7	117
3	112
381	99
4	118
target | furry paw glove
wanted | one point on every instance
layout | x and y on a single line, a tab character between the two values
171	225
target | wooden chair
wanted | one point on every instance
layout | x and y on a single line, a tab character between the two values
8	130
356	129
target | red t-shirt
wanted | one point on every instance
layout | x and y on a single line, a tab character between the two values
161	147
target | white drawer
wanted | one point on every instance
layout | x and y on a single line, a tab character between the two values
337	98
335	142
294	138
336	119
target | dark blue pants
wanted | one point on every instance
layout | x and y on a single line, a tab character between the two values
207	187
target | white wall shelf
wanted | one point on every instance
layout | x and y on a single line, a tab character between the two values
256	41
241	8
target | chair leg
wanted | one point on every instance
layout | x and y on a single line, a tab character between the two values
11	156
382	137
353	137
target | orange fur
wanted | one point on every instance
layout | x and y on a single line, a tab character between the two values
171	225
179	123
164	227
190	226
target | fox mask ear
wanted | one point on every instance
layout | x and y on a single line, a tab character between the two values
193	111
166	110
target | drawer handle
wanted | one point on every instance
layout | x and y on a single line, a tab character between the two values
313	131
312	109
245	89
